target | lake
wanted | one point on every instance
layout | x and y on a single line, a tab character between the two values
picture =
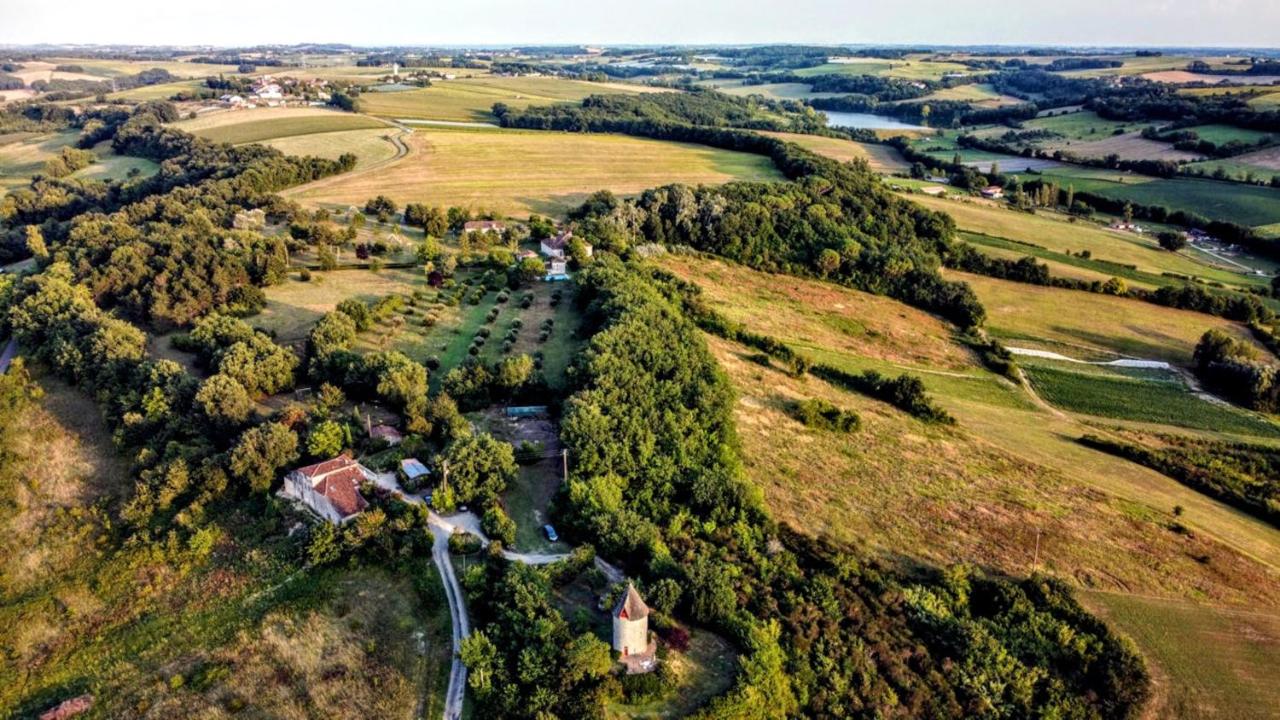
867	120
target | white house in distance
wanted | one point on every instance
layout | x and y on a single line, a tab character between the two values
554	246
484	226
994	192
631	632
330	488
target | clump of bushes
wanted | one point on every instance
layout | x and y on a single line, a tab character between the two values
464	543
822	415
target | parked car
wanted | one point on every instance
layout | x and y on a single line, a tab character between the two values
551	533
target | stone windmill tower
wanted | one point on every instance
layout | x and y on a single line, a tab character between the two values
631	624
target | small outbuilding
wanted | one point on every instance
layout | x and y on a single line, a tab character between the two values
386	433
993	192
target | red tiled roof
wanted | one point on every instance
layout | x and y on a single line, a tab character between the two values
328	466
343	490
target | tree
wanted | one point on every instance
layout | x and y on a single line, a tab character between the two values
828	261
400	381
498	525
381	206
529	270
261	366
480	467
261	452
327	439
1172	241
224	401
326	258
1128	213
35	243
513	372
333	331
358	312
428	251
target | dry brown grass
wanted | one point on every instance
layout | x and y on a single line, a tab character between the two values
66	462
904	488
514	172
356	657
829	316
881	158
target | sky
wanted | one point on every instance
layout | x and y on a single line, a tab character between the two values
1251	23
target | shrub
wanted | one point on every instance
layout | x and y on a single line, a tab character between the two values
820	414
464	543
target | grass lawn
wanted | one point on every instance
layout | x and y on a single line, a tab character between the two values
1223	134
1055	232
117	167
982	492
371	146
705	670
21	159
470	99
1208	661
1083	125
514	172
1245	204
1097	326
119	68
246	126
293	306
1062	264
979	94
881	158
1165	401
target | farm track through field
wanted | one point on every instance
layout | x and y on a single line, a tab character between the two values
402	151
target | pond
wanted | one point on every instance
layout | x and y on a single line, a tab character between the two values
867	120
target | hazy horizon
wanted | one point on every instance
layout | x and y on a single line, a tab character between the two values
1088	23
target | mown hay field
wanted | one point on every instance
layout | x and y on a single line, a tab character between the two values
514	172
1207	661
27	154
1056	232
881	158
246	126
1089	325
371	146
470	99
